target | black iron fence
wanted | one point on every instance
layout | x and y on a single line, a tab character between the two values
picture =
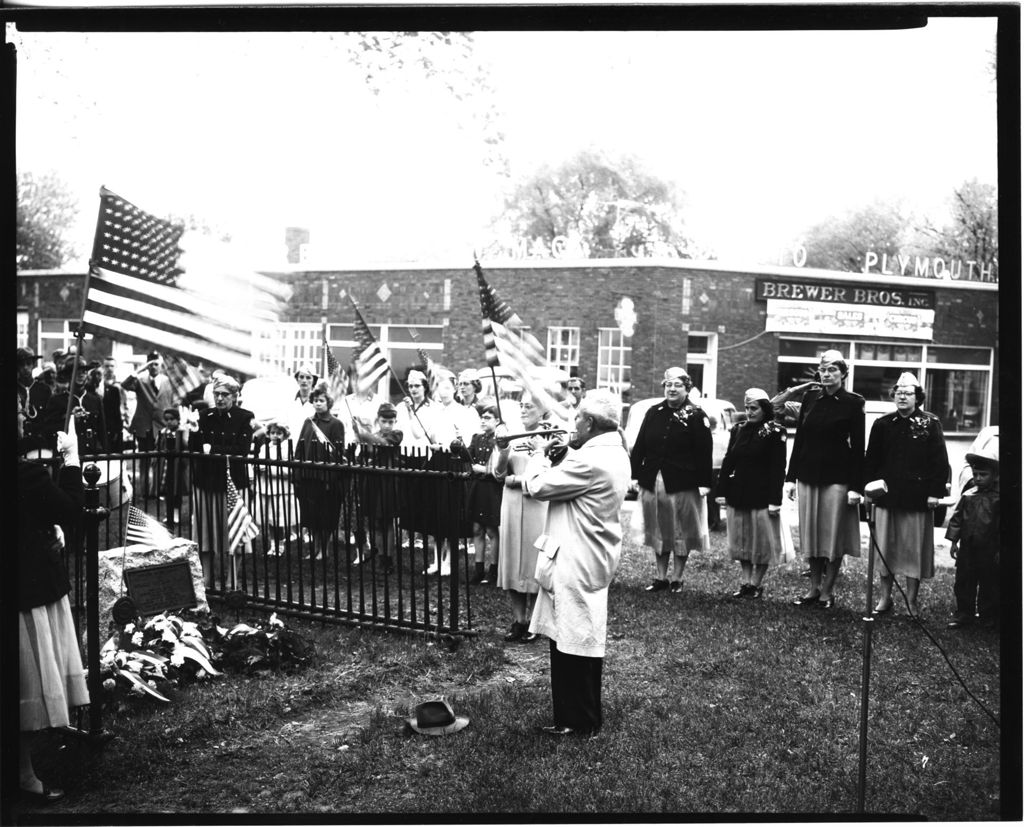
371	537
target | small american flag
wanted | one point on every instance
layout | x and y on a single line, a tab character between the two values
371	363
431	369
241	526
337	380
507	343
144	530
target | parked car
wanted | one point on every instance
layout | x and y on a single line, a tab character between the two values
269	397
722	416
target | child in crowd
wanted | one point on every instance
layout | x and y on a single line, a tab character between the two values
171	470
974	532
484	497
279	507
380	492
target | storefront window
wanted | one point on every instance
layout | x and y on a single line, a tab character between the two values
957	397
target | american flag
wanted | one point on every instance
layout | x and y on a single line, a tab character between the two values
431	369
508	344
140	294
241	526
144	530
183	376
337	380
371	364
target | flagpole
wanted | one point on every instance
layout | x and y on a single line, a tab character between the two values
497	395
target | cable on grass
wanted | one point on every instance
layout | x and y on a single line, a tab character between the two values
928	634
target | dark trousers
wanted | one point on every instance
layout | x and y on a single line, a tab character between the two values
976	584
576	690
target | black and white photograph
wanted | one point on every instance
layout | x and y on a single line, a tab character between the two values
381	370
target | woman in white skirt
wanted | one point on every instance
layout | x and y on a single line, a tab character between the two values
750	485
828	463
51	676
671	462
906	451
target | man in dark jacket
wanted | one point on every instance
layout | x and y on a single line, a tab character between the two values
32	396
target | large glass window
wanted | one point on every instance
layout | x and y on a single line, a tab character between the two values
564	347
956	379
958	397
613	361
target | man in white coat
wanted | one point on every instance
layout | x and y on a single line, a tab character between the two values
579	554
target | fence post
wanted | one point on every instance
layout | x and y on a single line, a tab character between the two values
94	514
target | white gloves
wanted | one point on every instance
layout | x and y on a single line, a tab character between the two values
67	444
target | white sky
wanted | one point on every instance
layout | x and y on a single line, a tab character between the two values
766	132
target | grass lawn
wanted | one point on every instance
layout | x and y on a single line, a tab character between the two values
712	706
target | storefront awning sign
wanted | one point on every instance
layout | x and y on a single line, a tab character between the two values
834	318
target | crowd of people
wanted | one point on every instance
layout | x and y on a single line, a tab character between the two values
544	487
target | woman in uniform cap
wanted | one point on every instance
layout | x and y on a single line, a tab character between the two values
671	462
750	485
224	429
826	469
905	471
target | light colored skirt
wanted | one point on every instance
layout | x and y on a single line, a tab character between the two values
907	541
828	526
50	665
676	523
755	536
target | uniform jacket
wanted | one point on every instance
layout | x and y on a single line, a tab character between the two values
909	453
229	432
582	540
754	466
42	575
677	443
91	428
829	445
975	521
152	395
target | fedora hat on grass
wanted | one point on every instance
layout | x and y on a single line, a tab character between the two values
436	718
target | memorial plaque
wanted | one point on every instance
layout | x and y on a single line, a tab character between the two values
159	588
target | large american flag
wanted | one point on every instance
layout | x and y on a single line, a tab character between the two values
371	364
144	530
241	526
507	343
140	294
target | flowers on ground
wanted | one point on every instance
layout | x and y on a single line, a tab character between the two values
148	657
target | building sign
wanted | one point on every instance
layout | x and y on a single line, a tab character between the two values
847	310
834	318
929	267
844	294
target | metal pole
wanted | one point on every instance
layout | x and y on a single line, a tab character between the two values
94	514
869	622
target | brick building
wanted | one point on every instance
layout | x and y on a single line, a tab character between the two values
732	328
